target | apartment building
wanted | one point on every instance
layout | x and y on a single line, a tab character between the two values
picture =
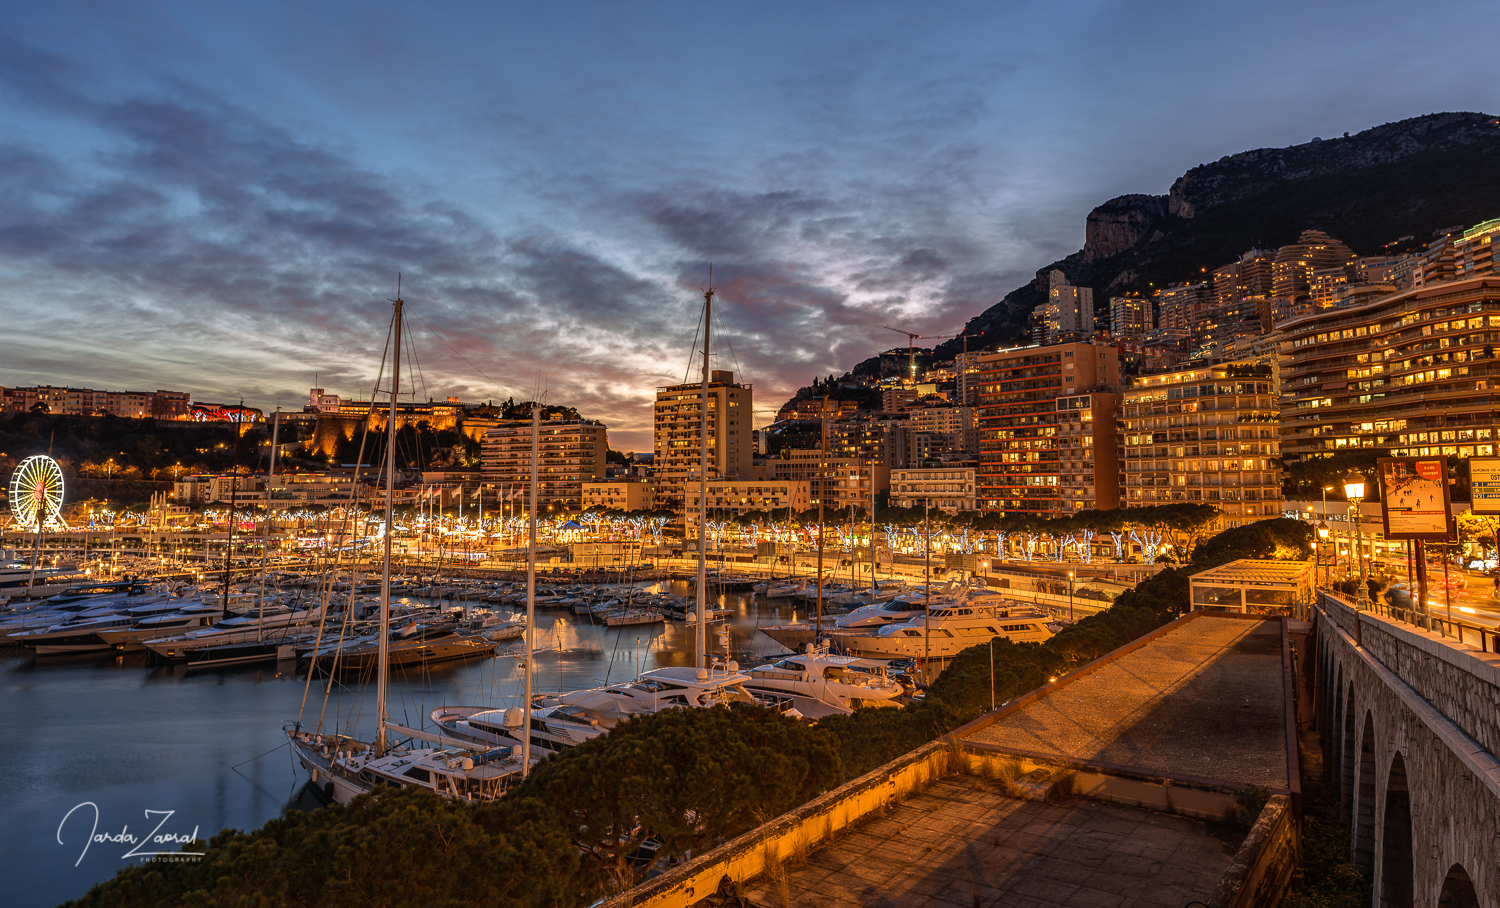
731	498
1068	314
870	436
1293	269
1017	420
679	415
1207	434
1415	372
838	482
1181	305
1129	316
88	402
1088	452
570	453
950	488
619	495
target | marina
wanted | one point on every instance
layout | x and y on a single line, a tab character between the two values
209	744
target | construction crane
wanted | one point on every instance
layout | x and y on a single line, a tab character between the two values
911	353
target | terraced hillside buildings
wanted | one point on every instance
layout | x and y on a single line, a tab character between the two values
1415	372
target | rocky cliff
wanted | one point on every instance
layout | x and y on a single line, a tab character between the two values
1401	179
1407	178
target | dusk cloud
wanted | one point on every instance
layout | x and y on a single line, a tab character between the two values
218	202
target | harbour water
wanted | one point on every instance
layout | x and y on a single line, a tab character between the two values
119	742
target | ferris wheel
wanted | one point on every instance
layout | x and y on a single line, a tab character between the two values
36	494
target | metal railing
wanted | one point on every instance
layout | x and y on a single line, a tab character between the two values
1488	638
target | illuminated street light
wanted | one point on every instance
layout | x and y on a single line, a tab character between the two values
1354	490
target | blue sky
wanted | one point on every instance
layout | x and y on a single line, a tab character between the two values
216	197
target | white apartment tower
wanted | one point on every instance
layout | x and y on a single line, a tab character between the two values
1069	311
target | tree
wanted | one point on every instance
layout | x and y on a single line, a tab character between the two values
687	779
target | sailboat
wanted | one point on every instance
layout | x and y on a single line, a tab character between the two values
343	768
563	720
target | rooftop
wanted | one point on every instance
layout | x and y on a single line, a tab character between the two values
1248	571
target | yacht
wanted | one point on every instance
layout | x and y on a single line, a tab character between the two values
821	684
254	626
343	769
946	631
894	610
81	634
659	689
553	728
134	637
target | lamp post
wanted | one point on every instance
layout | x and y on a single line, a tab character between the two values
1070	596
1354	490
1323	544
1324	516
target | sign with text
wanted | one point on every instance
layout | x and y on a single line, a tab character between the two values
1484	485
1414	498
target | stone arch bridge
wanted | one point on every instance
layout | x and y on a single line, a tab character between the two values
1410	727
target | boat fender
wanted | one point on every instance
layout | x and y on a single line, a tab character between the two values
328	790
467	764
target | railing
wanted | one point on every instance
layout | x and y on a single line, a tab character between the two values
1488	638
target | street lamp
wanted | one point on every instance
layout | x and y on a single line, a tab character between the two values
1323	544
1354	490
1070	596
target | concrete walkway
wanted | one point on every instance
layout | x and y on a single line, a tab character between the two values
962	843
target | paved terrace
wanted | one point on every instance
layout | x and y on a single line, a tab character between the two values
1204	700
1116	764
963	843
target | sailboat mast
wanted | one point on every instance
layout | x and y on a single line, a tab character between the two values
536	423
383	670
234	478
822	497
265	529
701	637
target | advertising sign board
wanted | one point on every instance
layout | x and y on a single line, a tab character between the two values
1414	498
1484	485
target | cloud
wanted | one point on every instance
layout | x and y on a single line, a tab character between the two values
197	244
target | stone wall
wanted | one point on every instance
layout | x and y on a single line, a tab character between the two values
1461	682
1401	715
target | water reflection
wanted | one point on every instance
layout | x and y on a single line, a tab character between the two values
130	736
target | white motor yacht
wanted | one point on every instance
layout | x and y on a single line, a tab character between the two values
251	626
894	610
81	633
822	684
946	631
343	769
553	728
659	689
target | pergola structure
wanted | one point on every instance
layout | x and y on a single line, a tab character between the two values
1256	586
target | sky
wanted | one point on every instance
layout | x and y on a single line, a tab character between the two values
218	198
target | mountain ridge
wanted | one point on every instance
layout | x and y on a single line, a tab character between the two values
1407	178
